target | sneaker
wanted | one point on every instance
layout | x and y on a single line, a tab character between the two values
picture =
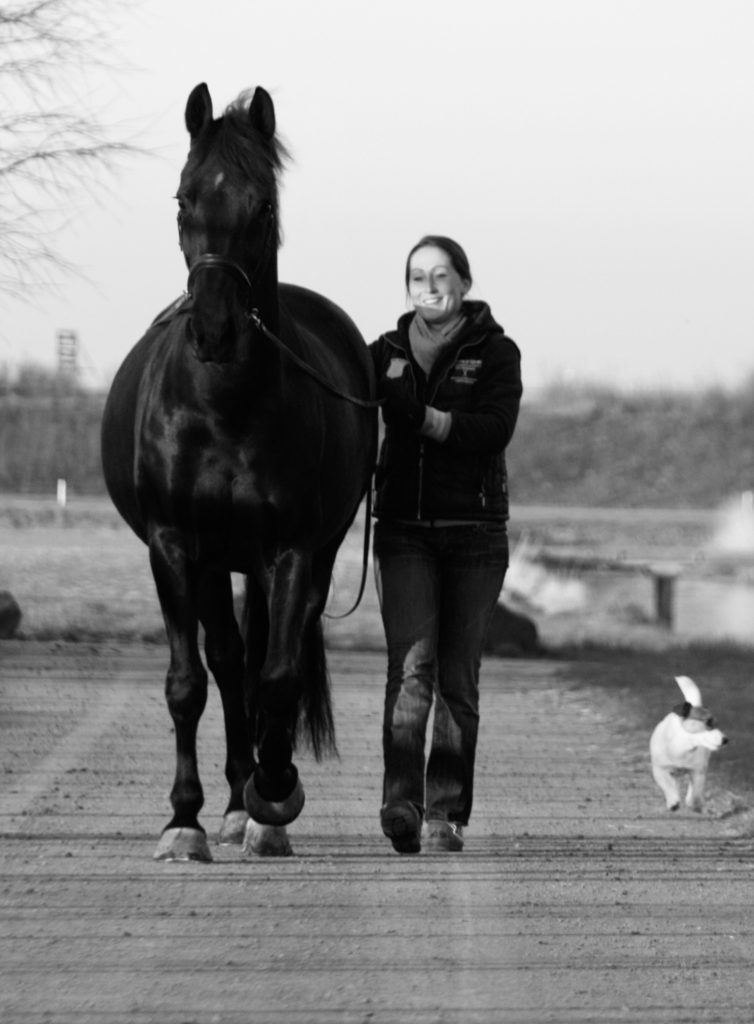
401	823
444	836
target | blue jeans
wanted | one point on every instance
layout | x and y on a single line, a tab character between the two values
437	586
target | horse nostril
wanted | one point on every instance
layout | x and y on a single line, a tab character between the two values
725	740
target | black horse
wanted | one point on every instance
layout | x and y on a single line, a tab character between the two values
239	436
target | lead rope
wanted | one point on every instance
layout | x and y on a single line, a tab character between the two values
364	403
211	260
365	557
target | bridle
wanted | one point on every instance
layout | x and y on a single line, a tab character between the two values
213	261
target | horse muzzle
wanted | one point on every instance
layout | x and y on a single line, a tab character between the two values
219	318
214	341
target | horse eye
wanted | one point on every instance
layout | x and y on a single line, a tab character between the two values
710	723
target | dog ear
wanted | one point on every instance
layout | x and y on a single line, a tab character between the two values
682	710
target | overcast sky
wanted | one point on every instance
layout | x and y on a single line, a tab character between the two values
594	157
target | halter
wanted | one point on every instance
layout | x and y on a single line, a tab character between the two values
213	261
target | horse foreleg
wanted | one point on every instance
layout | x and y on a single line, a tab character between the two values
224	650
258	840
266	840
185	691
274	794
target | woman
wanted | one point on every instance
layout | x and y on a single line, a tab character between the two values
450	383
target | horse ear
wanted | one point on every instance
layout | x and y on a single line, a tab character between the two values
262	112
198	110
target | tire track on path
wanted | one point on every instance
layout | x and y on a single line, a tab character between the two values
105	703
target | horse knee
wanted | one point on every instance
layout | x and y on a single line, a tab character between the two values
186	694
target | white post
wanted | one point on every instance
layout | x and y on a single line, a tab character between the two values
62	497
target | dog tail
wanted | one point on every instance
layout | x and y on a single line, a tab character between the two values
690	691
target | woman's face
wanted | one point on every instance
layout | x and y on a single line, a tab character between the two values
434	286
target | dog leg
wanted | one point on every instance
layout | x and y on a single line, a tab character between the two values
669	786
695	792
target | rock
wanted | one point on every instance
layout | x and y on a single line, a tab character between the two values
511	634
10	615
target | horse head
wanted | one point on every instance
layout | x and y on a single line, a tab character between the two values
227	220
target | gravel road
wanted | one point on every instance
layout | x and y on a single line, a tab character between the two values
577	898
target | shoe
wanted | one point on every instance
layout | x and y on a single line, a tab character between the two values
401	823
443	836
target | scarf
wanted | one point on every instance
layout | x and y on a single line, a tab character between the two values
427	341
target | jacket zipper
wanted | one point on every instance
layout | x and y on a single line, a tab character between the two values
421	481
429	400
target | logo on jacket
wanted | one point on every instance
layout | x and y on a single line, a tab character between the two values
466	371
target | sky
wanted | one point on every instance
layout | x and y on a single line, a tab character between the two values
595	159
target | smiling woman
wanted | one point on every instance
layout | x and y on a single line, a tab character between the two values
450	382
438	277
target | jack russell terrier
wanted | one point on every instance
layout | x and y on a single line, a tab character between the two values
681	744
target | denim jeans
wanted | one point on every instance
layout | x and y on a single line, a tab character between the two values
437	586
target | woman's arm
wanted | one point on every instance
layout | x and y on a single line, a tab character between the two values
489	426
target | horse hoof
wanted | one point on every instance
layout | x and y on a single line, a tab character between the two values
233	828
266	841
183	844
273	812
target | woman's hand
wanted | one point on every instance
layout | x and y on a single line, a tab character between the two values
400	404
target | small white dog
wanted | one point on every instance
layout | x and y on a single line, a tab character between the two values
681	745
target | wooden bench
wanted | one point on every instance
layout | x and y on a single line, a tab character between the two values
662	574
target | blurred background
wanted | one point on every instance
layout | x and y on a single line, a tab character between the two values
594	158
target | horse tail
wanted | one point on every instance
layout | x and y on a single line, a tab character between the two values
314	716
316	707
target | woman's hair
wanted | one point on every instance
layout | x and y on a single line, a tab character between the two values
458	258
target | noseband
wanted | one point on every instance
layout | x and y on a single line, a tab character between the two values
213	261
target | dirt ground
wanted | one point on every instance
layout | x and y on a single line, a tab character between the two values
578	898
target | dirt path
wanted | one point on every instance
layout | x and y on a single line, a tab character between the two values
577	899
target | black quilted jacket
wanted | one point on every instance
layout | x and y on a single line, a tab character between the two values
477	380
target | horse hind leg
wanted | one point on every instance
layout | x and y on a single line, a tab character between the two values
293	682
274	794
266	840
259	840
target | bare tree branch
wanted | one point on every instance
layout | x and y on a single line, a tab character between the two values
54	143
